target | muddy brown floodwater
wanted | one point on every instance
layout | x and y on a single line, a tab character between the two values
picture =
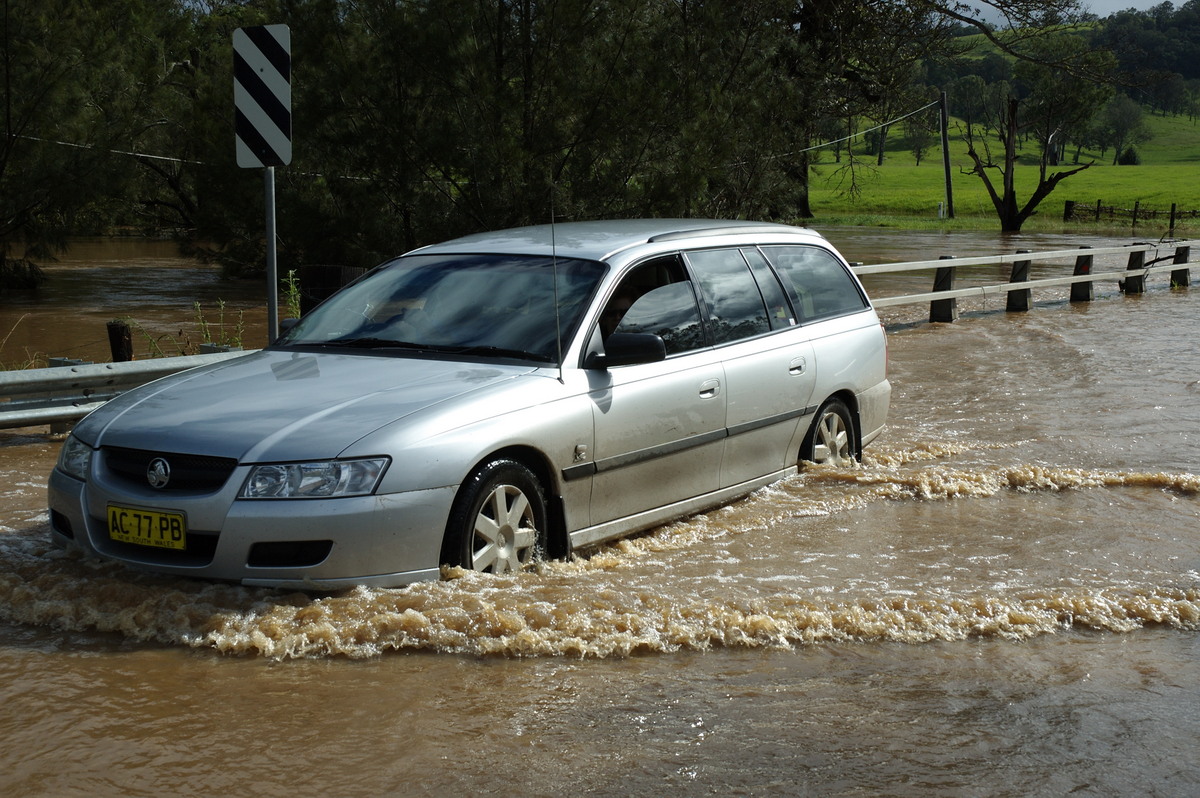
1002	601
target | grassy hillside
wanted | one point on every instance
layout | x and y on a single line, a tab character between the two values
1169	173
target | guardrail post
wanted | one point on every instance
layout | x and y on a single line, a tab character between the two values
1181	278
1083	291
63	427
1022	299
1135	283
945	310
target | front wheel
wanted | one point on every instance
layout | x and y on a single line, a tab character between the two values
498	521
830	441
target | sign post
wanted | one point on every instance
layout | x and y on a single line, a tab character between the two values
262	99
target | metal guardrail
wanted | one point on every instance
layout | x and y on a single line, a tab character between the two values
942	298
64	394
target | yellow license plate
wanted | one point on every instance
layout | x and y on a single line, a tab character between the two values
147	527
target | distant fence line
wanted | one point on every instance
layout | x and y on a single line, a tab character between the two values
1079	212
943	298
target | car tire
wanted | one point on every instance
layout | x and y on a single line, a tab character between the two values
498	520
831	439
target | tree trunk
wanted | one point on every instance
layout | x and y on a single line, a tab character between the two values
1012	215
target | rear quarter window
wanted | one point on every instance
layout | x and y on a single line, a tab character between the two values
819	285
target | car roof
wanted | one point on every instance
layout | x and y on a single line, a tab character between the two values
598	240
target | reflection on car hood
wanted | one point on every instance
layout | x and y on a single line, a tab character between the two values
281	406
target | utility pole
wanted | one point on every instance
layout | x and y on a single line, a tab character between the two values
945	117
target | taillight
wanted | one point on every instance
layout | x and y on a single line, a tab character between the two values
885	350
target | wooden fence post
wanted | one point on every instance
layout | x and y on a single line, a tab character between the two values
120	341
1083	291
1135	283
1019	300
943	280
1181	278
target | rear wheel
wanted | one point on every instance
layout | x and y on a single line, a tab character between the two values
498	522
830	441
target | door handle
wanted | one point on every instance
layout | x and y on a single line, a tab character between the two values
710	388
798	365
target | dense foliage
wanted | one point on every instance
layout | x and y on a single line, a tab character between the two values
415	120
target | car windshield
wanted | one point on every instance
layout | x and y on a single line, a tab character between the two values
477	305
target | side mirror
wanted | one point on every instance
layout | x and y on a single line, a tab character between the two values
628	349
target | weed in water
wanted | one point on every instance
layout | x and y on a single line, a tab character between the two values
291	295
155	343
32	360
217	334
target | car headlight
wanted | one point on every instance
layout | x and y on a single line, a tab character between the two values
322	480
75	458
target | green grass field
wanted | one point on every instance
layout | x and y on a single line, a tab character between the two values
901	193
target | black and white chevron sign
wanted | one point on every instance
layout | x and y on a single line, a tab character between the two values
262	95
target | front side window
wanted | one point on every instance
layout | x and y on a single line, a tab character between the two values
656	297
818	284
474	305
670	312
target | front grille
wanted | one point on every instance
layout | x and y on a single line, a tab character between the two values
191	472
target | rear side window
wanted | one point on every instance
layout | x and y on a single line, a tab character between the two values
735	305
772	293
818	284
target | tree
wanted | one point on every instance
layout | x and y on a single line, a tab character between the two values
77	81
1056	103
1119	125
1059	103
490	114
1011	213
920	135
847	60
416	121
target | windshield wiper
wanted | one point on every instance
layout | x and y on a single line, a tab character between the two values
364	343
500	351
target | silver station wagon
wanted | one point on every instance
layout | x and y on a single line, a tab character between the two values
487	401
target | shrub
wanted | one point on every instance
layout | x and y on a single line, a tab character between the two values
1129	157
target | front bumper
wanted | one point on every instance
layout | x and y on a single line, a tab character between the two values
387	540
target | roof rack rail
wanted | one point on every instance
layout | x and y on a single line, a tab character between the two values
723	230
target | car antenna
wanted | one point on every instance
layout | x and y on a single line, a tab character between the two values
554	269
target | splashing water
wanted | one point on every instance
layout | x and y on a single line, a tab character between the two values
643	594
